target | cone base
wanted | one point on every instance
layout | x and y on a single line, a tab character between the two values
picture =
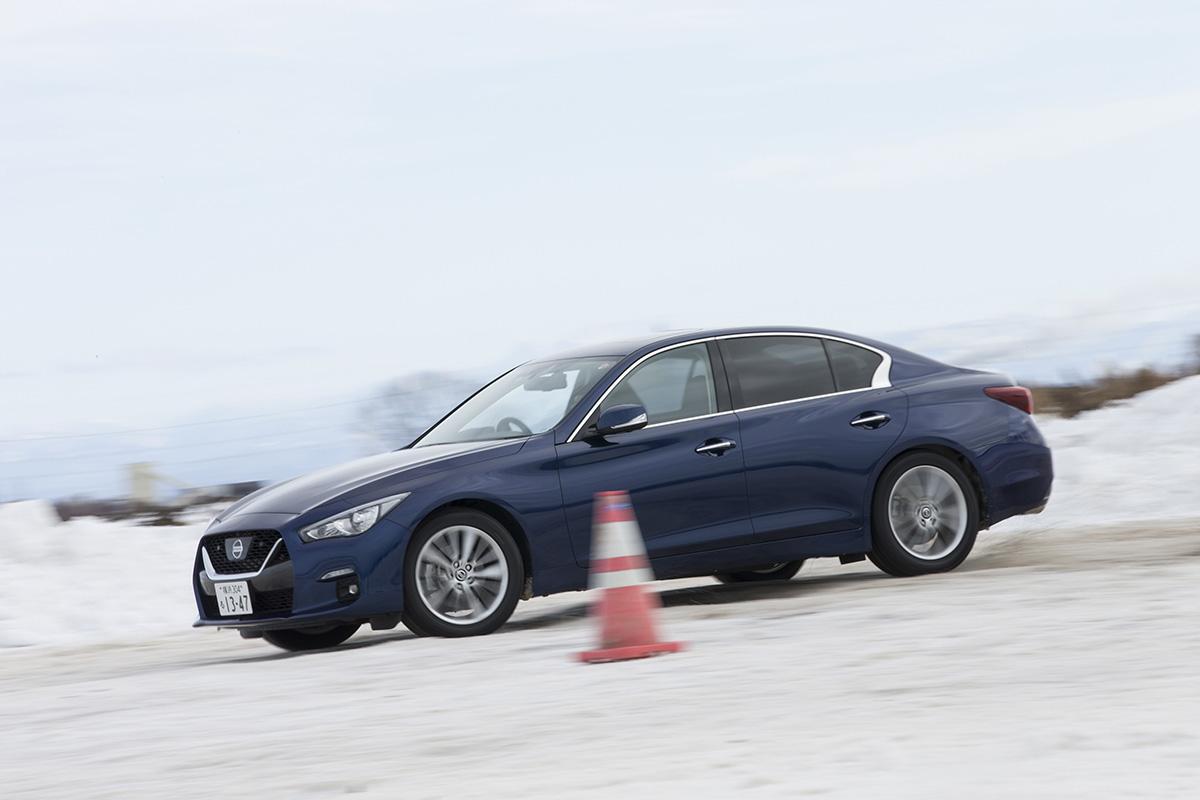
629	652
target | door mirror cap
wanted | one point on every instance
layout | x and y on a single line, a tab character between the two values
621	419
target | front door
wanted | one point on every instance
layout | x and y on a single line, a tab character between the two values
683	471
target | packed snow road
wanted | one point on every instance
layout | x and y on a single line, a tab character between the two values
1054	663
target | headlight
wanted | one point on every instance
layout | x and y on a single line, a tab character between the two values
353	522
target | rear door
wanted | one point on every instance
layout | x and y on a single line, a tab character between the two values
816	415
685	501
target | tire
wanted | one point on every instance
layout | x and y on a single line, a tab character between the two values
925	516
775	572
300	639
447	594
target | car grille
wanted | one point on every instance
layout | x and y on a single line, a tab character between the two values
266	603
261	543
274	602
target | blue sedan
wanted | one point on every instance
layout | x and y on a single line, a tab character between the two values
745	452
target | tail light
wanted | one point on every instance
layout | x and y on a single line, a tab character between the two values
1016	396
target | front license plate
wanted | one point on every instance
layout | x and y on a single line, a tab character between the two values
233	599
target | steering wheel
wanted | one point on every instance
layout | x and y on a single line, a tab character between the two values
513	424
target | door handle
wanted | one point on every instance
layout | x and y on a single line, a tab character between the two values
871	420
716	447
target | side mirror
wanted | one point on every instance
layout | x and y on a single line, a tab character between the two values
621	419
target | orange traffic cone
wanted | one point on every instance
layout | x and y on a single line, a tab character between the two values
619	568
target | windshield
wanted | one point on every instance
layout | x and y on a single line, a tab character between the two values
531	399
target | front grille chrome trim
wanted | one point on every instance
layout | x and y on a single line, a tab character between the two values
217	577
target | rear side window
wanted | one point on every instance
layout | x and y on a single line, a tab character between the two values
853	366
773	369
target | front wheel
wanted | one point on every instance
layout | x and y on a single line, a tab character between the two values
924	517
301	639
463	575
774	572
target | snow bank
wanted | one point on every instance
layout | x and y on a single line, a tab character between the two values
1138	460
92	580
28	515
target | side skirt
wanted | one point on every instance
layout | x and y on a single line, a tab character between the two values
843	543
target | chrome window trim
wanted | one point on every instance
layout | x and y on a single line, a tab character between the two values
688	419
880	380
806	399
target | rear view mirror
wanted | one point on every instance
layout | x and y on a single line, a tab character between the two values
620	419
551	381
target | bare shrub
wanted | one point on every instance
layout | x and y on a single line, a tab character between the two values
1072	399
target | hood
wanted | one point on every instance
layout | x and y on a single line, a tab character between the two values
300	494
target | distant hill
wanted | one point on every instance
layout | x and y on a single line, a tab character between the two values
1065	349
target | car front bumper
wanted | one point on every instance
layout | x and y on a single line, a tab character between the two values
293	583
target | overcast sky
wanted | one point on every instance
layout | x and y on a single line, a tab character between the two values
207	206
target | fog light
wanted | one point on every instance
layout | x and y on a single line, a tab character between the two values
347	588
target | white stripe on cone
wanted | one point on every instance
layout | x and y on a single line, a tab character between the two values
618	540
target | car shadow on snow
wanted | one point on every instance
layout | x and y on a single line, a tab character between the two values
714	594
719	593
398	635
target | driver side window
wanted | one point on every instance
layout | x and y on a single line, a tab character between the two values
673	385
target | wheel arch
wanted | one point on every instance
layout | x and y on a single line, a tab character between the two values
946	450
498	512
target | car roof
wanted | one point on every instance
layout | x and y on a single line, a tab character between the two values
621	348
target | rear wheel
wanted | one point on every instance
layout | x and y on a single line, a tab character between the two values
925	516
463	575
774	572
300	639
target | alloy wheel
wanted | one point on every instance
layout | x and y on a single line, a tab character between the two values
462	575
928	512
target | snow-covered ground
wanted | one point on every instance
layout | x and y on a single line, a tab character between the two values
1057	666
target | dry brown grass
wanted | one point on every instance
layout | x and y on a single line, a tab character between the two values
1069	400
